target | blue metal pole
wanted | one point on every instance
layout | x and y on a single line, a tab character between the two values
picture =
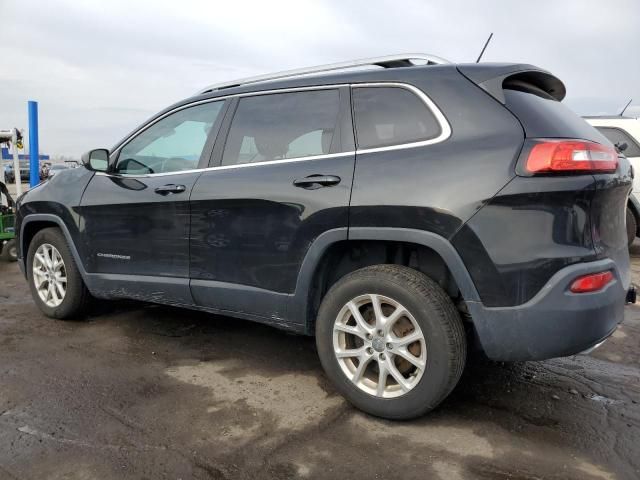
34	153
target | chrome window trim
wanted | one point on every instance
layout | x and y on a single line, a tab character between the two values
444	125
229	167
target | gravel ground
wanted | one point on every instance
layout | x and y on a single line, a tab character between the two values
140	391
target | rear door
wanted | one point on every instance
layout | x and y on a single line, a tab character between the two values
281	178
136	218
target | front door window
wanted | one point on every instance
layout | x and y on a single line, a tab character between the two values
172	144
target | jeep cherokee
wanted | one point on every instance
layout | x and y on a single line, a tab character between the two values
401	214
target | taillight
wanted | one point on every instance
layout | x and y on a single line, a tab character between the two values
592	282
579	156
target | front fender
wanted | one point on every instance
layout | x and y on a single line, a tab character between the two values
49	218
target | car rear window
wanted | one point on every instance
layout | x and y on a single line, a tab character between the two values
542	116
618	135
386	116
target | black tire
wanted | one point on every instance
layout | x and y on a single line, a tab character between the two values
632	226
438	319
9	251
76	299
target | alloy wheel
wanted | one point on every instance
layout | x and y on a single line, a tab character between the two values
379	346
49	275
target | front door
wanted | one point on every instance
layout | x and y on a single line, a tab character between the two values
283	178
136	218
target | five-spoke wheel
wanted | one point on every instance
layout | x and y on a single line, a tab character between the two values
56	284
49	275
379	345
391	340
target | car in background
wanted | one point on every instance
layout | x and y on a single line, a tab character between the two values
25	173
8	173
56	168
44	170
625	130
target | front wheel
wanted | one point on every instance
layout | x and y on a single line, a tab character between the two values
55	282
391	341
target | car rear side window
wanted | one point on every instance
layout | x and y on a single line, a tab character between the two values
617	135
280	126
542	116
387	116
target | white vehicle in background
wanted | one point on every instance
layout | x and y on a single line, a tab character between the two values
620	130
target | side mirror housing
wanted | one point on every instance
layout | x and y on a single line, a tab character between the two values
96	160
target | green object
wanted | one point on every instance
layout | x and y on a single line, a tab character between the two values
8	252
7	223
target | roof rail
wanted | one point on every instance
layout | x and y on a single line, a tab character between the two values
388	61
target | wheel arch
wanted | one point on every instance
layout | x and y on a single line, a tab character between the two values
32	224
324	264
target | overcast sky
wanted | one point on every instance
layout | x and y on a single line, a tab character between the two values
99	68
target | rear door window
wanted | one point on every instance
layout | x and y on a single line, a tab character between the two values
617	135
281	126
387	116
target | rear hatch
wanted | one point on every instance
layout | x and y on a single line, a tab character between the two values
534	97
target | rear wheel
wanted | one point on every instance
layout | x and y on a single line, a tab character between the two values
9	251
391	340
632	226
55	282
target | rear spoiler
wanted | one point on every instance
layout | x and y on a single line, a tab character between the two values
492	77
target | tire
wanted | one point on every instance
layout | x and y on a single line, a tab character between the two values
632	226
443	344
9	251
75	300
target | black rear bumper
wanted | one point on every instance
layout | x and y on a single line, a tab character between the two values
556	322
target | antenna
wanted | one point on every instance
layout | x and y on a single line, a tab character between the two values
484	48
625	107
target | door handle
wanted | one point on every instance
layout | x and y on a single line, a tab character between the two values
313	182
170	189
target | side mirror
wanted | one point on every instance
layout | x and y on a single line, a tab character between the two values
96	160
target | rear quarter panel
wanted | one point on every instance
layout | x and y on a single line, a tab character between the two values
438	187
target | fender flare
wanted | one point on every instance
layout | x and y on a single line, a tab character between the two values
298	309
48	217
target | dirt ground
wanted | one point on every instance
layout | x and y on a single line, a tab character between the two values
140	391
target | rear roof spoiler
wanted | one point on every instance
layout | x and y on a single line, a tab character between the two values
491	77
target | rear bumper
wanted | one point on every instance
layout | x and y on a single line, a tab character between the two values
556	322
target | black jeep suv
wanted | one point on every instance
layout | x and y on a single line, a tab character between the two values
401	214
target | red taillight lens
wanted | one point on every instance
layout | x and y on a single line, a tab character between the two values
549	156
592	282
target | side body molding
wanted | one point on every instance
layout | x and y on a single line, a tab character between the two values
288	311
